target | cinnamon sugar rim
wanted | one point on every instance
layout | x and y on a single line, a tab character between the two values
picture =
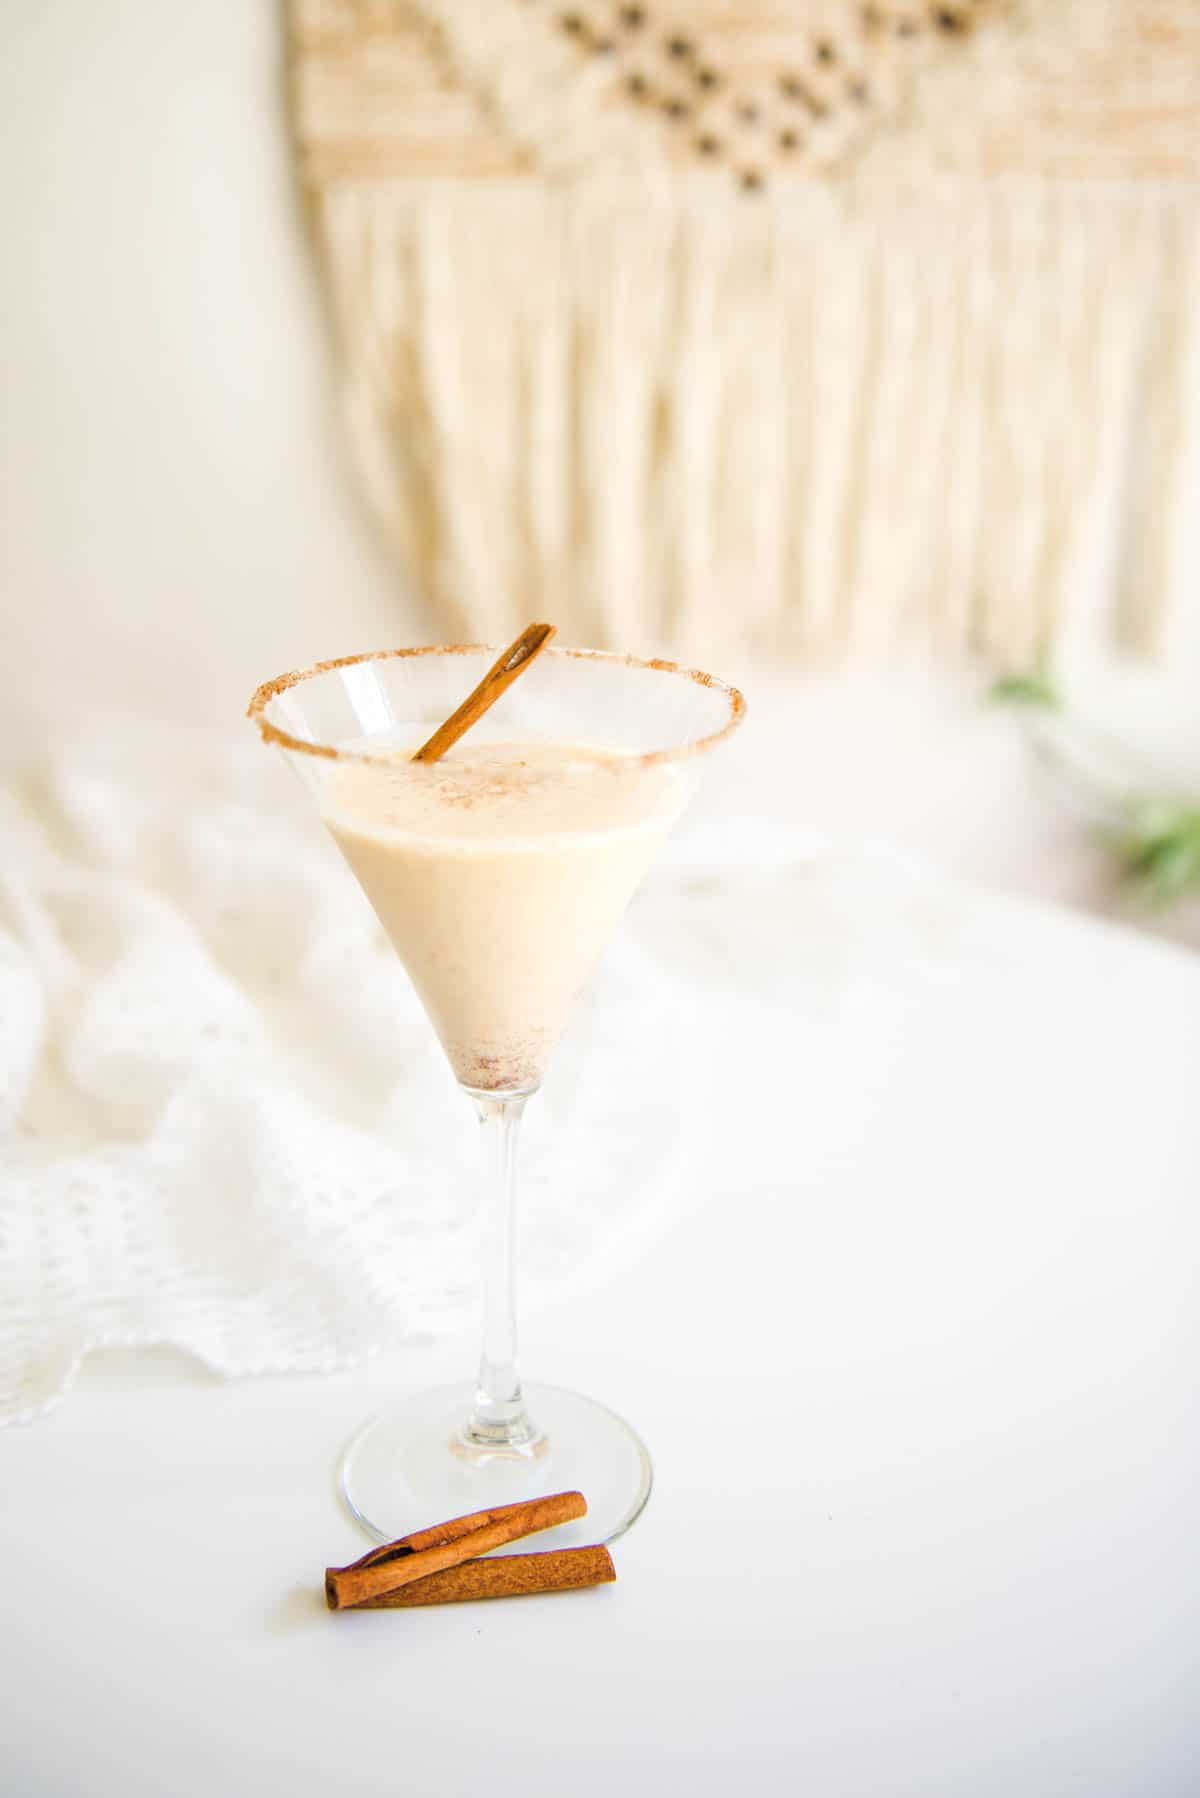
271	733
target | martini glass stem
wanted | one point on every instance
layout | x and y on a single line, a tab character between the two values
499	1420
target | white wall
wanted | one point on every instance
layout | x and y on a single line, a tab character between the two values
177	519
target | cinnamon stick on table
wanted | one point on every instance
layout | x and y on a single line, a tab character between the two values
445	1545
503	1576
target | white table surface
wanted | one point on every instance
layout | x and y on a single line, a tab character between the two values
917	1366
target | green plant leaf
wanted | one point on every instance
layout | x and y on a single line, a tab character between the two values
1035	688
1160	849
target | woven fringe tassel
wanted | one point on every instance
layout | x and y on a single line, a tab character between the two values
821	424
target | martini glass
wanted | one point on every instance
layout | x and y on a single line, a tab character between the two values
499	873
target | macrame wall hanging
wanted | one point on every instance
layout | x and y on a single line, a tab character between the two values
798	325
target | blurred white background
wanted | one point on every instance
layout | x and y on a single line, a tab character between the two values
178	519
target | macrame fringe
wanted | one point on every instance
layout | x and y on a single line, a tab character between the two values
809	424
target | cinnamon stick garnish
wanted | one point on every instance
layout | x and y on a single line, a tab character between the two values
503	1576
435	1534
499	677
443	1545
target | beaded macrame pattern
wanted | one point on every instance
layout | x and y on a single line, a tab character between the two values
799	98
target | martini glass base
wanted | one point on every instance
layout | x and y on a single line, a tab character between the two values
410	1467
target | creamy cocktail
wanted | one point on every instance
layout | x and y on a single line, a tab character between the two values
499	853
499	873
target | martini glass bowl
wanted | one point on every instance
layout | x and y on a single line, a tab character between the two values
506	925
